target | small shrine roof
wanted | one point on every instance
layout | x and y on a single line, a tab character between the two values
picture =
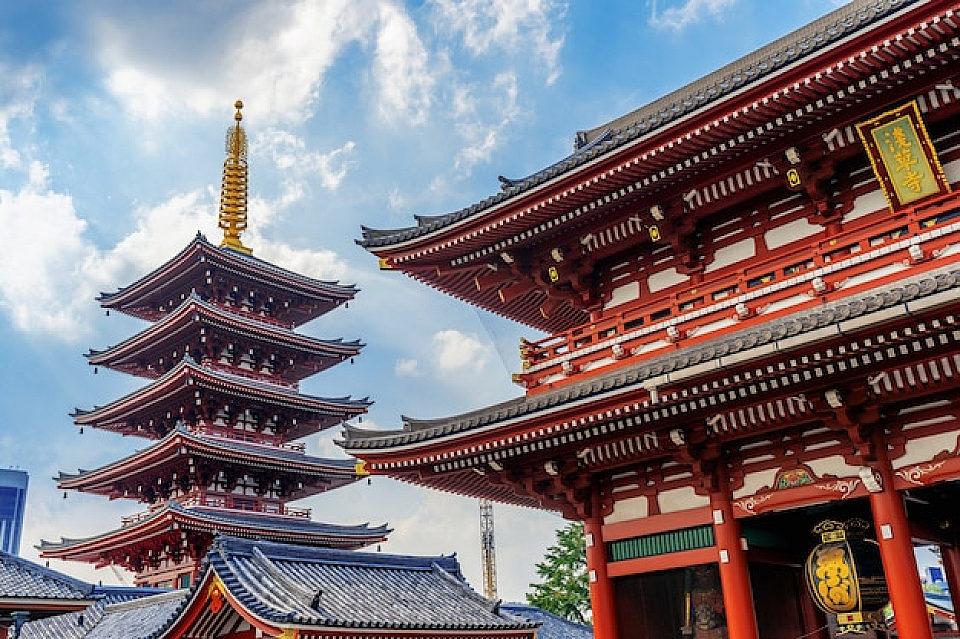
22	579
201	252
194	374
314	590
551	626
876	303
263	331
212	520
250	455
801	45
138	615
320	587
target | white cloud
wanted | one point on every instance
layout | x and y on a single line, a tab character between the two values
401	69
407	368
43	258
290	154
515	26
453	350
274	56
690	12
18	95
482	137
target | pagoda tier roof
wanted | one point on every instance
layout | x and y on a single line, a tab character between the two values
185	321
829	74
189	378
317	474
559	412
179	276
173	518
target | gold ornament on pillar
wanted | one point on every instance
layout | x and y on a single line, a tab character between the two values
233	189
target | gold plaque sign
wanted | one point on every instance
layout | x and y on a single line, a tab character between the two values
902	156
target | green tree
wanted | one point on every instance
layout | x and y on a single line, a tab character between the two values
564	588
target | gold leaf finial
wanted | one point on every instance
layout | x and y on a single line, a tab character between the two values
233	188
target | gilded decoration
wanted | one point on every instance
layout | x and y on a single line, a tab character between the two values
794	478
914	474
233	189
902	155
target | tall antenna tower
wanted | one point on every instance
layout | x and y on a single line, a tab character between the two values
488	552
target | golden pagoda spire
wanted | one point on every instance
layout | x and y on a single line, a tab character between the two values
233	190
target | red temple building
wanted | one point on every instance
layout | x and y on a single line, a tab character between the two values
222	409
750	291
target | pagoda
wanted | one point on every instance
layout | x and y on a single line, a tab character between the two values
222	411
749	299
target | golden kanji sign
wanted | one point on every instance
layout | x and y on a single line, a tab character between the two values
902	155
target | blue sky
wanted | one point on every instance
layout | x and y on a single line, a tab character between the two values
112	117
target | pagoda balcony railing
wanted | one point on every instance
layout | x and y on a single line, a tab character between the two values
248	438
231	503
238	309
823	270
263	378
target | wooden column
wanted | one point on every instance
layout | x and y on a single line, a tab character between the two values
896	549
734	571
601	586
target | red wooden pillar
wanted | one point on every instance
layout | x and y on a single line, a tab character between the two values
950	555
734	571
601	586
896	550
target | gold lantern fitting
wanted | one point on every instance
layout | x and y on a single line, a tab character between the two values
845	576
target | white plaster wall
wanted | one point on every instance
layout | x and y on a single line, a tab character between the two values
752	482
623	294
628	509
732	254
678	499
866	204
922	449
834	465
790	232
665	279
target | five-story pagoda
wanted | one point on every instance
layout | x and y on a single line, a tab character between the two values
223	408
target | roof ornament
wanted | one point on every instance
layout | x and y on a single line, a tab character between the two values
233	189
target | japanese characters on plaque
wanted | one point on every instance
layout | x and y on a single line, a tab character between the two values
902	156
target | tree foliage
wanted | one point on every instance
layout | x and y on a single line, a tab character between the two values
564	588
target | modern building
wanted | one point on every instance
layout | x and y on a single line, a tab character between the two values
222	411
13	503
750	291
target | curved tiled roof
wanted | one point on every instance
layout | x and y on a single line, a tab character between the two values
218	519
247	453
551	625
132	618
241	259
288	584
943	281
241	385
264	332
763	64
22	579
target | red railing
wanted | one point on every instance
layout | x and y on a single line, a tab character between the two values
731	299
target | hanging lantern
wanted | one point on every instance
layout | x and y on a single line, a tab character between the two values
845	576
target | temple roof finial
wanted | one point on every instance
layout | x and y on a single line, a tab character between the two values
233	190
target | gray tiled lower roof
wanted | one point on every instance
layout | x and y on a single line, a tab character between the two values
933	287
319	587
136	619
551	625
805	43
22	579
